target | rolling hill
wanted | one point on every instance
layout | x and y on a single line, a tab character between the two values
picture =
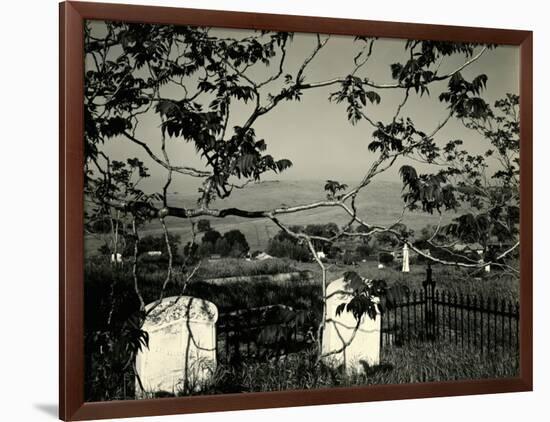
379	203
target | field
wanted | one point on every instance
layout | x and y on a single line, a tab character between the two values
298	294
412	363
381	203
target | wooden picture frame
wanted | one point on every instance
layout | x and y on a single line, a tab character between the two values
71	347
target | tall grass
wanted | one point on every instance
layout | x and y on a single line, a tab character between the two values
99	277
416	362
412	363
240	295
231	267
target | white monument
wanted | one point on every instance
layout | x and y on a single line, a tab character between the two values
405	267
182	346
346	344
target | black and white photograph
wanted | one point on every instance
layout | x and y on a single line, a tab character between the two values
269	211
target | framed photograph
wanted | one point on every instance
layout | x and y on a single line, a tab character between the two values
267	210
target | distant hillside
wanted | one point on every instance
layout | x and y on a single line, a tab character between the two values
379	203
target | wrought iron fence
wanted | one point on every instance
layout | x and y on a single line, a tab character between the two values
429	314
472	321
261	333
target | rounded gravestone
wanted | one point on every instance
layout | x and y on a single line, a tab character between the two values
182	346
344	342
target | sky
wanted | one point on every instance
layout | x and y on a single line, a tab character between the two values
315	133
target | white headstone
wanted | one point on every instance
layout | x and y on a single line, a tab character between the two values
487	267
182	346
359	345
118	257
405	268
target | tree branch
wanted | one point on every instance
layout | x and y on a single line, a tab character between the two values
190	171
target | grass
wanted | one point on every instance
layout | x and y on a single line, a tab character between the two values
412	363
451	279
228	296
231	267
298	294
239	295
443	361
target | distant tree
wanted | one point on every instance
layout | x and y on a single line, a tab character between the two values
385	258
222	247
232	243
350	257
211	236
363	251
150	243
362	229
403	230
237	251
206	249
367	234
393	238
156	243
431	231
288	234
327	230
236	240
334	252
388	240
203	225
288	249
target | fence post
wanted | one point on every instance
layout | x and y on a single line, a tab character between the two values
429	288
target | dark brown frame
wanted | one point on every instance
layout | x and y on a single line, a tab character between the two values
71	252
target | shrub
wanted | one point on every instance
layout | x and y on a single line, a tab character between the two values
232	243
237	251
110	313
334	252
211	236
236	240
385	258
206	249
222	247
288	249
350	258
363	251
